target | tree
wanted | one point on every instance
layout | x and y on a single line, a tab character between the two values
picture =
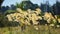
56	8
27	4
1	1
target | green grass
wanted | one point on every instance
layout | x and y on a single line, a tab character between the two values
30	30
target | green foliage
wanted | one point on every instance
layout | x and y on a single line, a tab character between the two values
24	5
10	11
58	16
5	23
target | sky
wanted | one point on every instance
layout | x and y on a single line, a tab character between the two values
10	2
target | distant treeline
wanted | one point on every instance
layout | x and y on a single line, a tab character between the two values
29	5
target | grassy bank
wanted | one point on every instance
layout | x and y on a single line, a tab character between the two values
30	30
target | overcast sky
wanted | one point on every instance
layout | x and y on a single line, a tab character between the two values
9	2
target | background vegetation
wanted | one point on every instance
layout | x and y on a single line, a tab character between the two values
29	18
